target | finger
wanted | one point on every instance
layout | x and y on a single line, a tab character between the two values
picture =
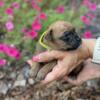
30	62
49	78
56	73
65	78
48	56
73	81
70	78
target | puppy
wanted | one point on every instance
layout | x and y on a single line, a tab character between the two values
62	36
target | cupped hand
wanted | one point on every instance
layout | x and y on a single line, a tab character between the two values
66	62
90	71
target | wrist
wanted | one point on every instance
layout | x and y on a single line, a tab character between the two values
89	44
86	49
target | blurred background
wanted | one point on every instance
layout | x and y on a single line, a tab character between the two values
23	21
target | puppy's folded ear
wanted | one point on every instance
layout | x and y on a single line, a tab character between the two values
49	35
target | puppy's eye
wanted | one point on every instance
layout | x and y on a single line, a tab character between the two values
66	33
65	36
51	33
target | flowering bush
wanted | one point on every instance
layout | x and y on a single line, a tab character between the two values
23	21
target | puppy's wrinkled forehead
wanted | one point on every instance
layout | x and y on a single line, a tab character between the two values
60	27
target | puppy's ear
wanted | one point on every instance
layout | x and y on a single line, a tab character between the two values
49	35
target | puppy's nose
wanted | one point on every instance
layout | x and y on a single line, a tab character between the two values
77	38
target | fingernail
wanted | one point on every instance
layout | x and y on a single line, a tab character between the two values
36	58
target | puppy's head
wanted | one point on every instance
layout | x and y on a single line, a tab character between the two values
61	35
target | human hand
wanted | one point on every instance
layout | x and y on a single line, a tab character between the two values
66	62
90	71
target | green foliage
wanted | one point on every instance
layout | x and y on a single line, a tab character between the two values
24	18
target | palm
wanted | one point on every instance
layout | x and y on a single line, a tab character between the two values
90	71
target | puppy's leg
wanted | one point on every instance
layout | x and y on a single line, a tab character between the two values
34	69
45	70
35	65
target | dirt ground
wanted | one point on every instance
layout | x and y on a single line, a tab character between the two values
17	84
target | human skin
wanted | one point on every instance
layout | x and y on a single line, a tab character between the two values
90	71
67	61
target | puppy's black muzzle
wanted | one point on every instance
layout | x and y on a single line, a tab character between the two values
72	40
75	42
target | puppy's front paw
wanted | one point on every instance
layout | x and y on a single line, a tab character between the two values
35	69
45	70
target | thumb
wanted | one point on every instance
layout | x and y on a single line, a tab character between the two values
48	56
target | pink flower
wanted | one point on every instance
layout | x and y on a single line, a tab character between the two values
85	20
89	4
91	15
9	11
13	52
36	6
88	34
86	3
24	30
1	3
16	5
10	51
36	26
9	25
2	62
43	16
60	9
93	7
33	34
3	47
